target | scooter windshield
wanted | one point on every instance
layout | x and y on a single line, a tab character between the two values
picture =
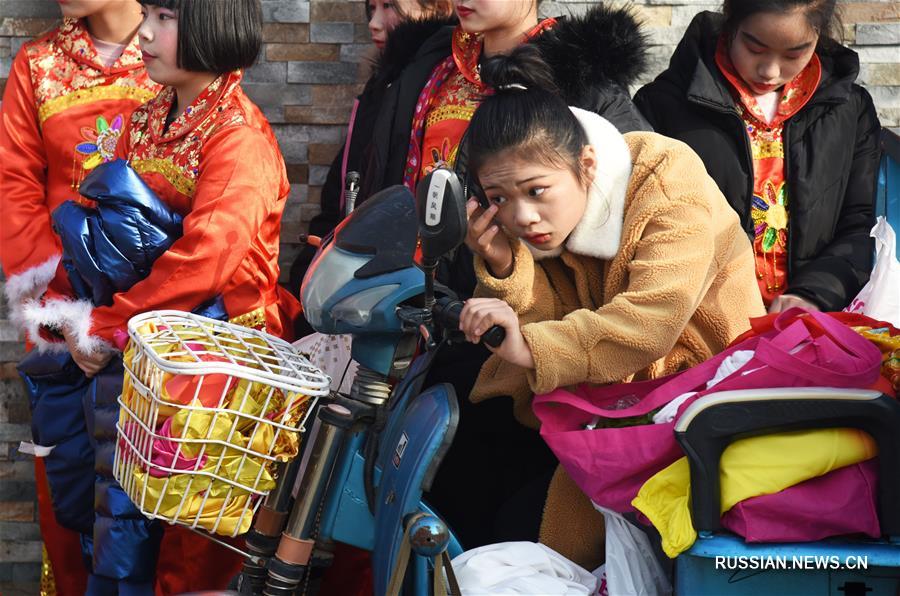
332	270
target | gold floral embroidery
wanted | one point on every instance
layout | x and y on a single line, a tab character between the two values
168	170
66	71
48	582
764	149
75	40
92	94
176	153
256	318
450	112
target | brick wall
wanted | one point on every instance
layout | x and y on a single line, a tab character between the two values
309	72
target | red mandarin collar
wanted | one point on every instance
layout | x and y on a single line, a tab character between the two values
210	99
467	49
74	39
795	94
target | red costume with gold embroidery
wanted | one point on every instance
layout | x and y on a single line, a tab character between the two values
219	166
770	209
62	114
447	103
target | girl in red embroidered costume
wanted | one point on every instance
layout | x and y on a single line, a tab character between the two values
210	154
67	98
787	135
454	90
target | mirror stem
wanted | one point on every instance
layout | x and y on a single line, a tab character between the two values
429	266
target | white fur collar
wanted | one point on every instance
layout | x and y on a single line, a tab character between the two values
599	233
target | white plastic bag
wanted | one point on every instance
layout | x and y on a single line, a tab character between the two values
880	298
631	568
330	354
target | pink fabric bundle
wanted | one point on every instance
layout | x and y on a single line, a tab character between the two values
844	501
163	454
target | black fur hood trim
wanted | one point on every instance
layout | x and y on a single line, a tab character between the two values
604	45
404	43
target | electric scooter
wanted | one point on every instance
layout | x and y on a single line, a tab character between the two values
370	454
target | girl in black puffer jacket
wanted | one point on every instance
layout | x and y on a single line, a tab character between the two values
768	101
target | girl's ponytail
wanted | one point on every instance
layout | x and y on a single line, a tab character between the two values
524	112
523	67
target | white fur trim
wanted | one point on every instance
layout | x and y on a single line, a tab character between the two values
73	316
28	285
599	233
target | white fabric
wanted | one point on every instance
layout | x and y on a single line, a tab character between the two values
73	316
631	568
331	355
599	233
880	297
520	568
30	448
107	51
768	103
729	366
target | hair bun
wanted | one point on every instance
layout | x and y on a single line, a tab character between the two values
522	69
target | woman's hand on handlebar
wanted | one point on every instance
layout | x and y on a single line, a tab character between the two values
487	240
480	314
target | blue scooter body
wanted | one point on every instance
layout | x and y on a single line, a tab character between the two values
356	284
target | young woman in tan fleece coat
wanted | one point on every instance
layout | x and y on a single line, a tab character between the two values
606	258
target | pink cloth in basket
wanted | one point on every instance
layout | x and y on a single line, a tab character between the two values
163	454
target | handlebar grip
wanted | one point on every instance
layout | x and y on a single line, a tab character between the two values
494	336
446	312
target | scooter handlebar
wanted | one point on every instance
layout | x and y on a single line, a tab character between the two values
446	312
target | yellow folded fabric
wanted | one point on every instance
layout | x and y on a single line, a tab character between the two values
171	491
750	467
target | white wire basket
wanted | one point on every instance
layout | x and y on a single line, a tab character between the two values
208	409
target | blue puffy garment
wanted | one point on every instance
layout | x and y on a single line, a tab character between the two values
56	388
110	247
106	249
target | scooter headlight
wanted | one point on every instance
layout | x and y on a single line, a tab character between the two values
357	309
331	271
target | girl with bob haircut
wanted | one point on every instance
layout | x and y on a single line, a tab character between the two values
768	100
607	259
208	152
217	36
67	99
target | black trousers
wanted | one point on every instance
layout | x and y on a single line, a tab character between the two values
492	483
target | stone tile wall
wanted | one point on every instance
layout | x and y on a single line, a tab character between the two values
311	68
